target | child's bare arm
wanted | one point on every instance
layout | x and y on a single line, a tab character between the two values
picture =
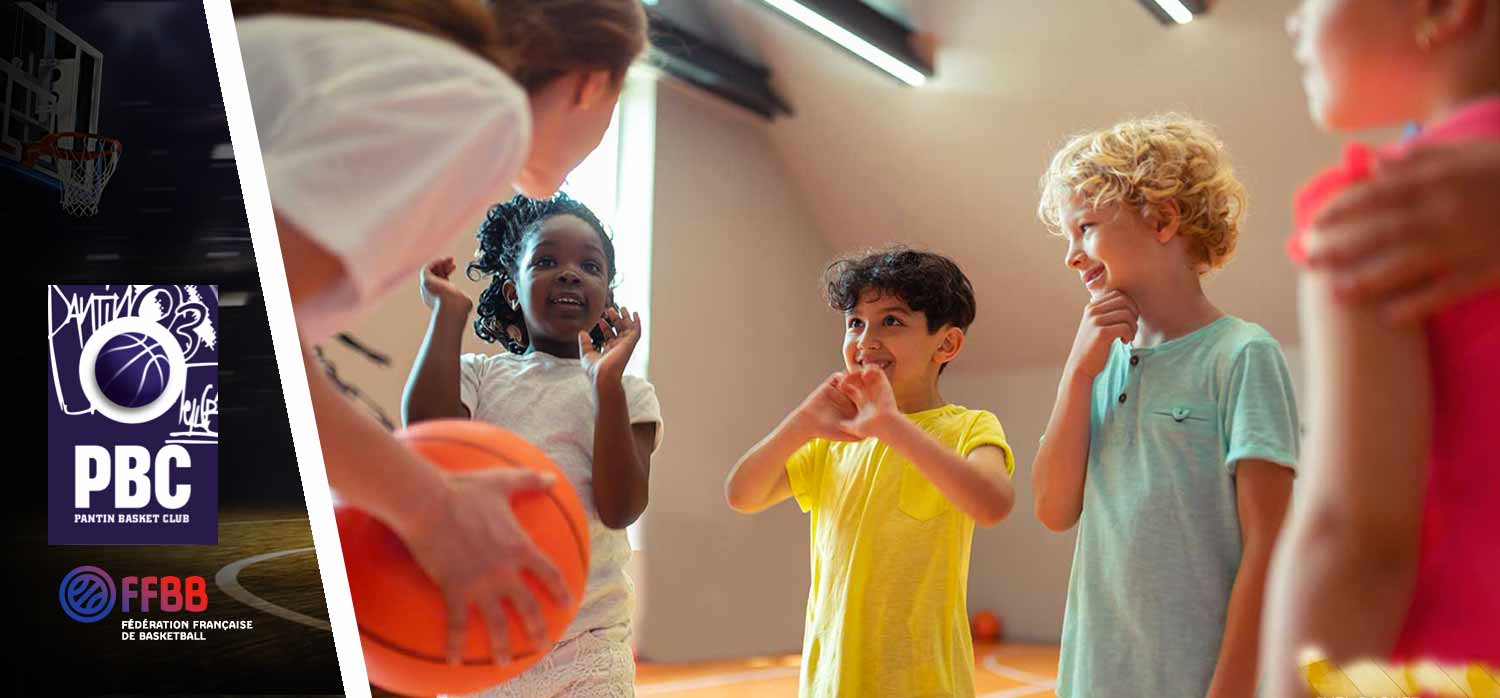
432	389
1058	472
1343	579
1262	492
622	451
759	480
622	459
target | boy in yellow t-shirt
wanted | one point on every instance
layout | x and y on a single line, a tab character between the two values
895	479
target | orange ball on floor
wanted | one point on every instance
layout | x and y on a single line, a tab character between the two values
985	627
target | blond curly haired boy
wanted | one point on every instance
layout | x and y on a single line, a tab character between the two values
1174	436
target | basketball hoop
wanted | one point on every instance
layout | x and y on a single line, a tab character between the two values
84	161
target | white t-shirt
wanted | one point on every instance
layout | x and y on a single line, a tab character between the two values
382	144
548	401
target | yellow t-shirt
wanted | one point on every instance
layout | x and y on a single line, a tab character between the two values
886	614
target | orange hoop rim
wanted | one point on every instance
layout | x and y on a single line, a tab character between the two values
48	146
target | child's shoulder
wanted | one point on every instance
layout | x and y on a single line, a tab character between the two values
1244	349
1238	335
1356	164
971	415
641	394
955	418
632	381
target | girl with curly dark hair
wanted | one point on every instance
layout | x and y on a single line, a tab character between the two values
560	384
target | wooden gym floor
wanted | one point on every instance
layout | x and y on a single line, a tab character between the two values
1001	671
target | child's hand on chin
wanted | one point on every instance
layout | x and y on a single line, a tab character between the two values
823	414
1110	316
436	287
870	392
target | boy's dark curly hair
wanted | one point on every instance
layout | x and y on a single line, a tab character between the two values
930	283
502	240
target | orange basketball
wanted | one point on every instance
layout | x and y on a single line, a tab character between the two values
401	615
986	627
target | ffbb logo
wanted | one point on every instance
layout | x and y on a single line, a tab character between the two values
132	422
88	594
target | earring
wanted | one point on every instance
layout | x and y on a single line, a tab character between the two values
516	337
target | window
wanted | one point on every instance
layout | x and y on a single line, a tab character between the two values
616	183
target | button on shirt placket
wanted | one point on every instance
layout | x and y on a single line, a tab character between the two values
1130	378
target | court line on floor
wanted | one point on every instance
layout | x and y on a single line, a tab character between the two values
1034	683
228	582
258	521
1018	692
992	664
716	681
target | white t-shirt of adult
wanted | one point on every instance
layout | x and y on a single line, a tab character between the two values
549	401
381	144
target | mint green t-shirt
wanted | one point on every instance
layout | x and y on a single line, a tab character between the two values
1159	537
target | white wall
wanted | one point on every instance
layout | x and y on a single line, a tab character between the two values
740	337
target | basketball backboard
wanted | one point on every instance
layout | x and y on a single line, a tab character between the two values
50	79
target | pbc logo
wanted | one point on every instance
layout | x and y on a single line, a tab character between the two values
132	423
87	594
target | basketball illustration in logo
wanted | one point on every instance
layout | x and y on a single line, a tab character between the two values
132	369
87	594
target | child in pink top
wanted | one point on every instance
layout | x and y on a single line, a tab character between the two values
1392	550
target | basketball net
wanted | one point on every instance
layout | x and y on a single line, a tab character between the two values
85	162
